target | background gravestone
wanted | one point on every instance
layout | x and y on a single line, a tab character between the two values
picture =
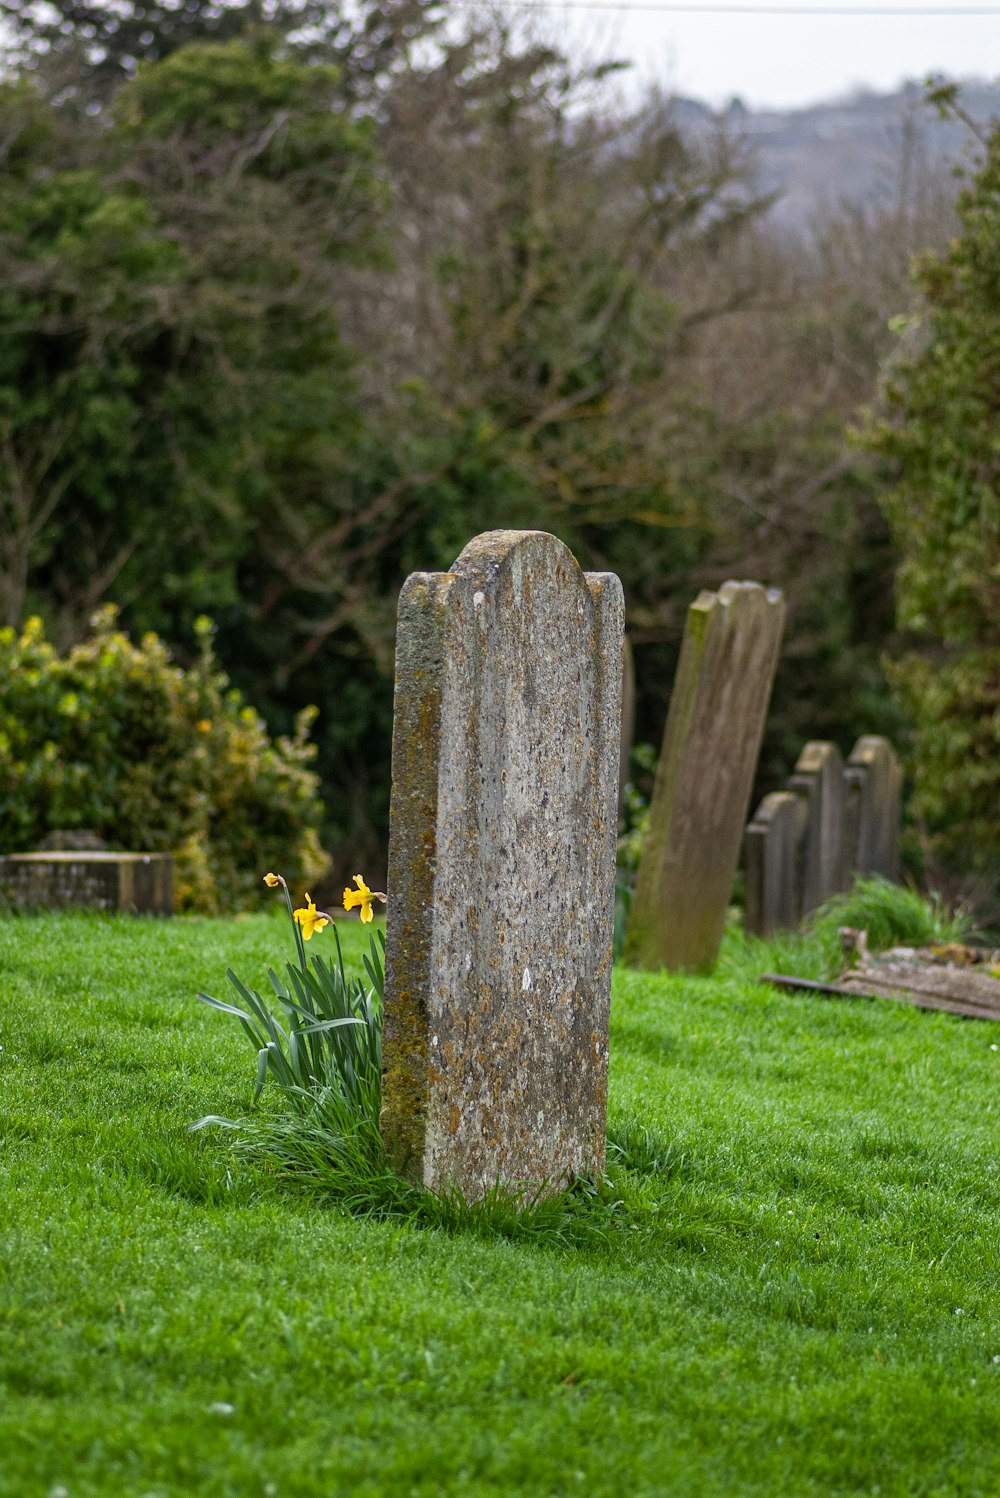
505	761
705	776
773	845
51	880
873	781
818	779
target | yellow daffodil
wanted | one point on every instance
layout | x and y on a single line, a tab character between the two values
272	880
310	919
362	896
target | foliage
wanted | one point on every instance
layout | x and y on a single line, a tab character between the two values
171	372
103	44
114	738
327	1056
939	426
293	303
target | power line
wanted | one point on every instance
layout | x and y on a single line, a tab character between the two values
658	7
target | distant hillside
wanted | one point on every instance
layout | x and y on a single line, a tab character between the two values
849	150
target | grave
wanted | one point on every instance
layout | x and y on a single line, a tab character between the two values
705	776
954	978
818	779
874	782
505	763
773	839
53	880
849	827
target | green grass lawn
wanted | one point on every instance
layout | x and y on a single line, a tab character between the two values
808	1303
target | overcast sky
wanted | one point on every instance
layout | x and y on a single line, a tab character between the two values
782	60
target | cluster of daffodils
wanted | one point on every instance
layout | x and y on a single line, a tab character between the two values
310	919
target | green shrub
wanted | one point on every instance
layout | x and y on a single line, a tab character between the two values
115	738
939	425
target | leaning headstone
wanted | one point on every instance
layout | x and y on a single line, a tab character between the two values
505	760
772	854
705	776
818	779
873	781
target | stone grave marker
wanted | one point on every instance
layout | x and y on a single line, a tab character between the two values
705	776
772	849
53	880
873	781
505	762
818	778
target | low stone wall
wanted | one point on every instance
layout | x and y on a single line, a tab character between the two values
142	882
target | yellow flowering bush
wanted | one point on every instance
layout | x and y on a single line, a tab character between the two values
115	738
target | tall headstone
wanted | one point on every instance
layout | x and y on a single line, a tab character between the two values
773	847
705	776
818	779
873	781
503	821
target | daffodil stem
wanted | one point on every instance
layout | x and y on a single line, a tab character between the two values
300	945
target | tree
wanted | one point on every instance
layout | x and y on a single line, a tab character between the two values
171	370
939	424
277	327
105	42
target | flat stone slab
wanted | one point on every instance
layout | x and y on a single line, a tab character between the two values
505	763
142	882
916	976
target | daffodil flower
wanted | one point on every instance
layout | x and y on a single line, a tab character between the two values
273	880
310	919
362	896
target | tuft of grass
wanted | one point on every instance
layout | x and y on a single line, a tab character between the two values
893	915
350	1170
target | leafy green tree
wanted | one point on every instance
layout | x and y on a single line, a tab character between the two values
171	372
179	423
940	426
104	42
286	312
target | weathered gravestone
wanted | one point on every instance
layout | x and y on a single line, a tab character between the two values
818	778
773	841
873	781
705	776
51	880
849	826
505	761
